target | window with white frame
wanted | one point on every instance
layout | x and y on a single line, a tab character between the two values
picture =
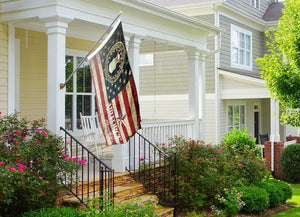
241	48
236	117
255	3
80	95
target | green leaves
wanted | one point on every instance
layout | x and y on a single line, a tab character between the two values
280	68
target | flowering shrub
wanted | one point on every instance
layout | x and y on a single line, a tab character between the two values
204	168
229	203
32	166
132	208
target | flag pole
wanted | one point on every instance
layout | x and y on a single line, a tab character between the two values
62	85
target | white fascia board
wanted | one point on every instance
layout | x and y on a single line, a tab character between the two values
251	93
170	15
242	77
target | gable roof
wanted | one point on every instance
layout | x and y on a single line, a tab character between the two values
274	12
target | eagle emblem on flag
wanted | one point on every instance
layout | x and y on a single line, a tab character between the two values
116	94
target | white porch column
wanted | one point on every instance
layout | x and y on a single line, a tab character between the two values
197	92
134	58
121	152
56	31
275	123
11	70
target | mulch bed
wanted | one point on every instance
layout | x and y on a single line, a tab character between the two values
268	212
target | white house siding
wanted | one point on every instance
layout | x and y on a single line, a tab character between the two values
244	5
225	54
164	86
3	68
210	124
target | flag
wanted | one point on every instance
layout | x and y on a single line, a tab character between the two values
116	94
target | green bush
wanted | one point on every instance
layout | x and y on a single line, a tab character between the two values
206	170
238	141
55	212
284	188
290	161
275	193
32	166
256	199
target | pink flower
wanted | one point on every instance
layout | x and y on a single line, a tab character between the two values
21	170
1	163
20	165
215	158
141	159
11	168
169	145
38	131
65	156
240	164
9	135
17	131
163	144
0	113
240	152
161	153
40	177
68	142
75	158
83	162
219	150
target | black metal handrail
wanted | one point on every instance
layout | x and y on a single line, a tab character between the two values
94	179
156	170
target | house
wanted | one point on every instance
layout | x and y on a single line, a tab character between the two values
236	96
42	42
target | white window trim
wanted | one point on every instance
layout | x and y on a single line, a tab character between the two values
235	104
255	5
235	65
78	53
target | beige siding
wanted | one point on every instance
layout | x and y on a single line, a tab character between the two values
33	71
33	74
164	107
210	61
77	44
3	68
168	75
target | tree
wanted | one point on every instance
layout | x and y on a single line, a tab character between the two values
280	67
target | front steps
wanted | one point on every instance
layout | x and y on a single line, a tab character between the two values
125	189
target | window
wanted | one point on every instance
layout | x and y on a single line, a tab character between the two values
255	3
241	48
80	95
236	117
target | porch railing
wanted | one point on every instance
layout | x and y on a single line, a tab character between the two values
161	131
94	179
155	169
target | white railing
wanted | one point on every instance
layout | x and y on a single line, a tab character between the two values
162	131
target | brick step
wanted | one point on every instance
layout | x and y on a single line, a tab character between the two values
121	193
126	189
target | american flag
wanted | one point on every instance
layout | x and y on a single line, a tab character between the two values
116	94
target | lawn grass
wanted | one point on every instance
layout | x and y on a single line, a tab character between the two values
295	200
